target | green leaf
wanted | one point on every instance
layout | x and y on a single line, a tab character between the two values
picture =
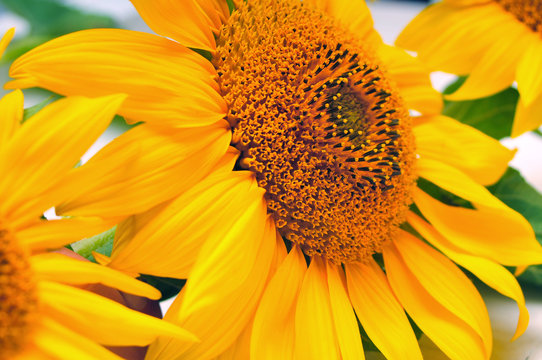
169	287
515	192
52	18
101	243
231	5
492	115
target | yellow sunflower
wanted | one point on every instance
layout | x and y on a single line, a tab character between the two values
325	158
44	312
497	42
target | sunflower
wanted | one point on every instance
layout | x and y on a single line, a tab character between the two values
44	312
318	219
497	42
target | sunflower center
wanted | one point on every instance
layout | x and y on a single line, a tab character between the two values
528	12
319	124
18	297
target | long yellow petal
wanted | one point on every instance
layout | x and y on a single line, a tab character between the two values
463	147
413	80
6	39
74	307
225	284
344	319
486	270
46	147
498	233
527	117
61	343
166	83
446	284
496	69
11	108
529	83
273	334
453	336
375	304
149	159
315	335
184	21
182	228
451	38
57	267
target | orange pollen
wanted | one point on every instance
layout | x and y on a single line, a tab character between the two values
18	297
528	12
320	125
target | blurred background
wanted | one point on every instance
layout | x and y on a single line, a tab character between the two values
37	21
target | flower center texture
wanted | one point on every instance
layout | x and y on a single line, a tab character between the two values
528	12
18	297
321	126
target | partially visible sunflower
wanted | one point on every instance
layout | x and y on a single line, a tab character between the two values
497	42
44	312
325	158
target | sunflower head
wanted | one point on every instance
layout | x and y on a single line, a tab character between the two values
18	296
528	12
320	124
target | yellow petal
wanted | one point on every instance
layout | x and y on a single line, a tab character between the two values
46	147
486	270
166	83
453	336
451	38
6	39
61	343
412	78
52	234
315	335
273	334
446	284
527	117
182	227
57	267
184	21
375	305
496	69
134	172
11	108
346	324
240	349
529	83
498	233
447	140
74	307
225	284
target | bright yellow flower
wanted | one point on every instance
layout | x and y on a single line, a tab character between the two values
497	42
42	316
325	158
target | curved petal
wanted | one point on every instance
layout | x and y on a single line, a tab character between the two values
529	83
447	140
184	21
183	227
57	267
273	334
46	147
453	336
225	284
11	108
451	38
134	172
315	335
487	232
413	80
166	83
6	39
486	270
446	284
346	324
73	307
527	117
375	304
